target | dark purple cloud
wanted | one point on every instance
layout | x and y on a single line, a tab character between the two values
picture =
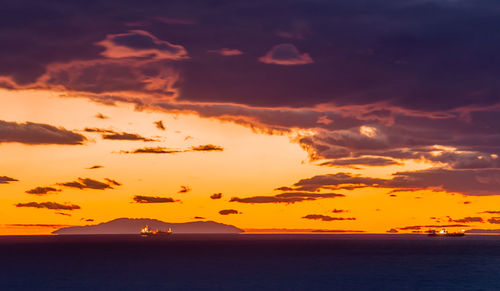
140	44
87	183
153	199
469	182
403	55
216	196
326	217
7	180
49	205
494	220
150	150
468	219
228	212
378	92
207	148
288	197
184	189
95	167
37	134
365	161
125	136
42	190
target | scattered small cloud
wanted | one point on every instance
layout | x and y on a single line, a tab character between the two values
494	220
87	183
228	212
110	134
339	211
468	219
216	196
188	137
140	44
159	124
152	150
286	54
126	136
153	199
490	212
98	130
198	217
207	148
326	217
226	52
184	189
101	116
7	180
95	167
62	213
42	190
49	205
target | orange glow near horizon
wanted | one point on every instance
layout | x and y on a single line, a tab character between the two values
251	164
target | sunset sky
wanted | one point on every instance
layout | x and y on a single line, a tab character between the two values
306	115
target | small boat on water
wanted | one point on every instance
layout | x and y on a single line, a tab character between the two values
146	231
445	233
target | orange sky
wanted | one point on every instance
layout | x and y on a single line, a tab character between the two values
251	164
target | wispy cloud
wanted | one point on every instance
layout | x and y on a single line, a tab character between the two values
49	205
289	197
153	199
326	217
42	190
286	54
152	150
207	148
87	183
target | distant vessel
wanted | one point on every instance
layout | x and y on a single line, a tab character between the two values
146	231
444	232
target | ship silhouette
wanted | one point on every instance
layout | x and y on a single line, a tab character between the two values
445	233
147	231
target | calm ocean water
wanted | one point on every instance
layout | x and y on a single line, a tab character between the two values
250	262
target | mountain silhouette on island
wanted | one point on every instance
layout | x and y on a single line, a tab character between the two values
134	225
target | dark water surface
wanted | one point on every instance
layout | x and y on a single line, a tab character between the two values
250	262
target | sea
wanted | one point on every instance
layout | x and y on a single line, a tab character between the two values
250	262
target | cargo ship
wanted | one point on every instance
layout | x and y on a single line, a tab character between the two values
445	233
146	231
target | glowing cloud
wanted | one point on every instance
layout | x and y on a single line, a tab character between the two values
141	44
286	54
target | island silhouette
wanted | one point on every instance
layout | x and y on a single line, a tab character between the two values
134	225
